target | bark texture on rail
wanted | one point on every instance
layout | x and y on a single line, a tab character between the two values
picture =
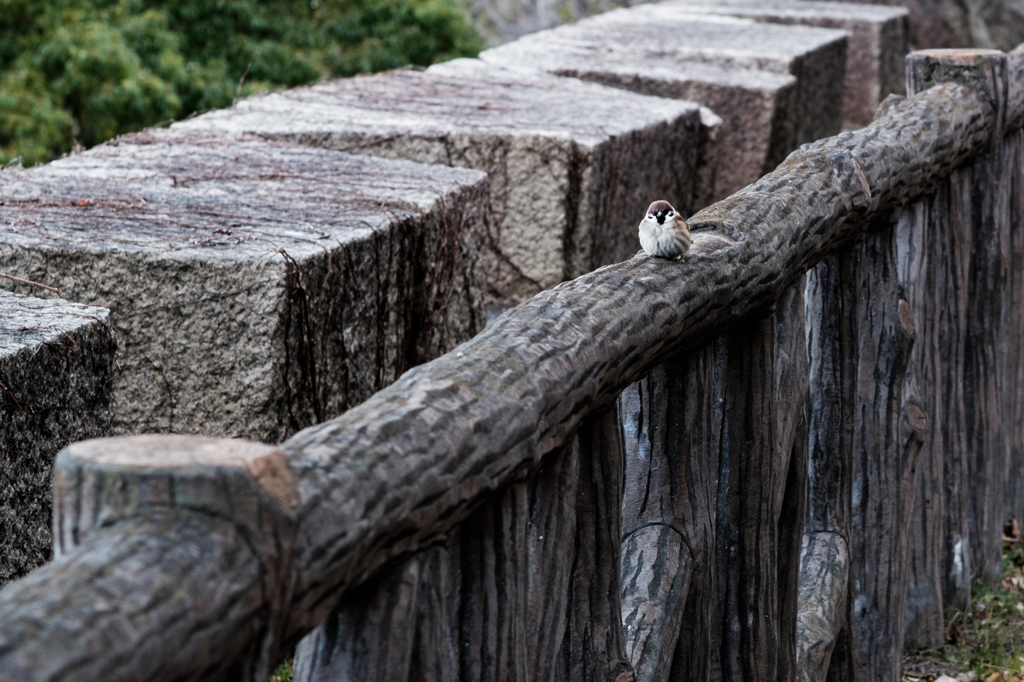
404	469
158	539
525	589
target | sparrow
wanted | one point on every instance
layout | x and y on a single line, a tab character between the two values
663	232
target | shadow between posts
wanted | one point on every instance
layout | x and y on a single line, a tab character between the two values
608	483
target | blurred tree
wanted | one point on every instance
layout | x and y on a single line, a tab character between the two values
87	70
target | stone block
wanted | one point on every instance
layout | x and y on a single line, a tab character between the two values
254	288
572	165
756	107
815	57
56	369
876	56
503	20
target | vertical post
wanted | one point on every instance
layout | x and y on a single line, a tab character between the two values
594	648
883	464
1013	176
668	514
962	367
761	500
862	459
714	505
825	554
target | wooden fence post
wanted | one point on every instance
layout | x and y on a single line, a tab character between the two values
201	505
668	515
713	510
862	463
825	554
955	263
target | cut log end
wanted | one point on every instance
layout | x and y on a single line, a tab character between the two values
963	55
264	462
906	318
916	418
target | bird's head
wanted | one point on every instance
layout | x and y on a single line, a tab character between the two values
661	211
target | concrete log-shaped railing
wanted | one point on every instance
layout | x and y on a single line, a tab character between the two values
961	256
214	572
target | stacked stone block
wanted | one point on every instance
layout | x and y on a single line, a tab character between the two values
572	165
875	61
254	288
775	87
56	369
757	107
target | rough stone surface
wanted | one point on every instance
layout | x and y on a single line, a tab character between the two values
756	107
502	20
816	57
254	288
56	367
877	48
572	165
963	23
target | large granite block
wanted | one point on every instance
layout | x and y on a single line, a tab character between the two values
56	368
572	165
254	288
816	57
876	57
756	107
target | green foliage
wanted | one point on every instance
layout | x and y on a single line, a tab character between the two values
284	672
987	639
87	70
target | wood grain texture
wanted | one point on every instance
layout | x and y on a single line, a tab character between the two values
761	495
865	434
933	251
713	509
404	467
959	254
883	463
824	588
1012	174
668	509
403	470
157	537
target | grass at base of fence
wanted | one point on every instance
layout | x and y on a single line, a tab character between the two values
985	643
283	673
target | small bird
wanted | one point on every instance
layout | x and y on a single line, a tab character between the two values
663	232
